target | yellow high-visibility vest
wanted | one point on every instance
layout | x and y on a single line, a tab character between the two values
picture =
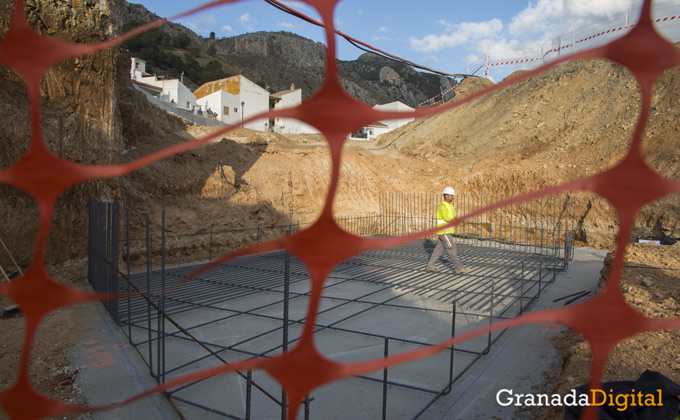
445	213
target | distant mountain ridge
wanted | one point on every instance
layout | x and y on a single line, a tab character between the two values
277	60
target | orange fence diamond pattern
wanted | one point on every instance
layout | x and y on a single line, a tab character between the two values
604	320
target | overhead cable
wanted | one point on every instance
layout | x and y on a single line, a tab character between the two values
359	44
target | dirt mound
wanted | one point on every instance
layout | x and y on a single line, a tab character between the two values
651	284
470	85
571	122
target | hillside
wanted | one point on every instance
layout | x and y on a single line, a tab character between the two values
275	60
568	123
528	136
573	121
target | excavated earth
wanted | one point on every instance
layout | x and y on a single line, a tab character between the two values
571	122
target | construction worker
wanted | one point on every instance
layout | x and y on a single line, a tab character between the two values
445	214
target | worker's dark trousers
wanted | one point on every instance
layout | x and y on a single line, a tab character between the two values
445	242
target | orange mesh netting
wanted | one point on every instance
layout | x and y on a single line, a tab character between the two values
604	320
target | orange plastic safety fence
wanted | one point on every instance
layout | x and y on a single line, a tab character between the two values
604	320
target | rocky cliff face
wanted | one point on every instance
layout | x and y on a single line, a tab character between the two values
377	80
275	60
82	119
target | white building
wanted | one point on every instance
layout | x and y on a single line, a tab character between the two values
288	99
233	100
395	107
173	90
372	131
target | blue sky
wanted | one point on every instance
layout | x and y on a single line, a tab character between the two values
449	35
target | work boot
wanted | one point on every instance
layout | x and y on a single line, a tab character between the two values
463	270
433	269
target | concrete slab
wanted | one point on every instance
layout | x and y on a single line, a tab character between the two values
517	359
110	370
521	356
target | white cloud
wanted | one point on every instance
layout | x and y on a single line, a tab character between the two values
228	29
598	8
286	25
201	24
457	34
381	38
554	17
247	22
382	29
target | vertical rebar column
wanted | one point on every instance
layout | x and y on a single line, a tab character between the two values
491	308
115	237
161	311
573	222
384	401
540	276
480	217
210	246
127	272
521	291
532	222
106	267
91	242
249	392
148	295
284	346
451	349
556	228
542	231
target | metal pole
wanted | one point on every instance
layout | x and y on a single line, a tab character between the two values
384	401
286	297
447	390
115	255
542	218
127	246
491	307
249	391
148	294
90	242
106	267
521	291
210	246
161	314
540	276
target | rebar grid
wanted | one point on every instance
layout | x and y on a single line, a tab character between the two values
256	306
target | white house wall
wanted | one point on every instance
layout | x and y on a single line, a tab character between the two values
137	69
173	90
184	97
224	104
395	107
255	101
290	125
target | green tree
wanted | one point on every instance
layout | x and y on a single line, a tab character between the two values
212	35
153	38
181	40
194	50
211	51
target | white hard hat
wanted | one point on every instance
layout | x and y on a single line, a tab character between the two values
449	191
